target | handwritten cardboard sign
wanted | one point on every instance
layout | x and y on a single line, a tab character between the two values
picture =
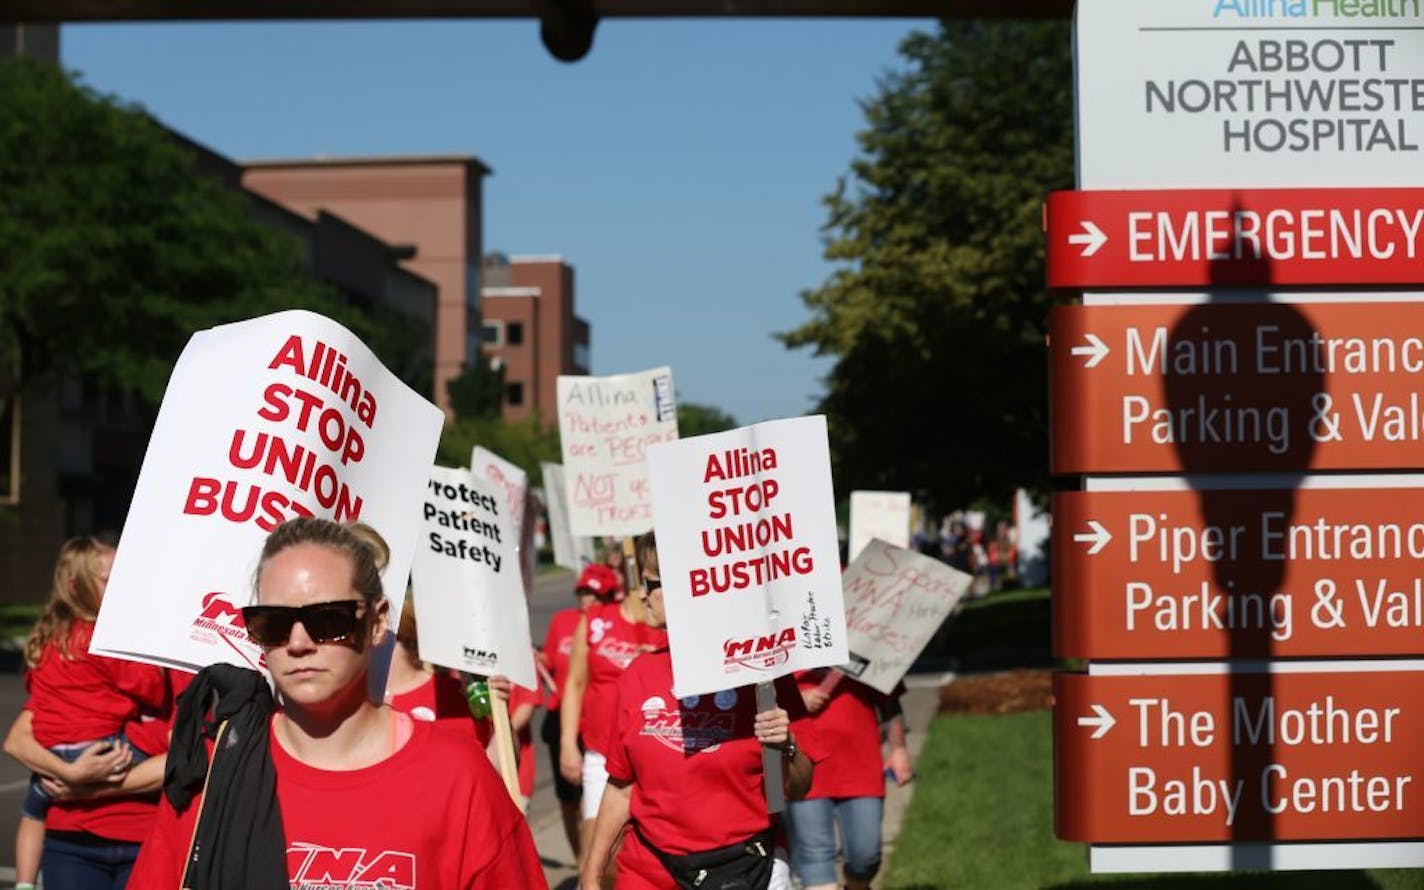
469	595
749	555
605	426
878	514
570	551
513	482
264	420
895	600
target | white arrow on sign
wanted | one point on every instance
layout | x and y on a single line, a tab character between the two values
1096	350
1091	235
1104	721
1098	537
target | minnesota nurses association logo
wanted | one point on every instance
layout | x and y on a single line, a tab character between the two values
685	729
759	653
315	867
219	623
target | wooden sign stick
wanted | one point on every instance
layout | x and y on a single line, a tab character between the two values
504	746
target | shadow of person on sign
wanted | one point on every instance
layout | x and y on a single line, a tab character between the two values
1229	420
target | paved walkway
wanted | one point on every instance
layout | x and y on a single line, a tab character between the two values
921	702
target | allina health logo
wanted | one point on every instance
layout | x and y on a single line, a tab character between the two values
1315	9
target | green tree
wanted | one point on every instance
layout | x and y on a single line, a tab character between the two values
697	420
936	311
478	391
114	249
524	443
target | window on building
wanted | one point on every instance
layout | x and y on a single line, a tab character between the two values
10	451
472	286
581	357
514	393
492	333
514	333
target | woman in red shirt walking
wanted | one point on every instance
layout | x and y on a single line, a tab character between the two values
365	795
611	634
685	776
79	701
850	782
595	579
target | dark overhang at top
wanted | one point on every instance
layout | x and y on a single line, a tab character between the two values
192	10
566	26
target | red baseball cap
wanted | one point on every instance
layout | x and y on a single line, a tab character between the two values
599	579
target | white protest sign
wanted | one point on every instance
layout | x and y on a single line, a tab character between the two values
748	554
569	551
895	600
264	420
878	514
605	424
513	482
1249	93
469	595
1032	540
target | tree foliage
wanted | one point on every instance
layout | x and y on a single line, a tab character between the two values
524	443
478	391
698	420
936	311
114	249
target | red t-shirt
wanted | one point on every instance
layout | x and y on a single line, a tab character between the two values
94	697
524	739
429	810
558	646
126	819
149	733
613	643
86	697
849	729
692	791
441	699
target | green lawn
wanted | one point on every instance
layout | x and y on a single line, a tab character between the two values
982	817
1007	629
16	621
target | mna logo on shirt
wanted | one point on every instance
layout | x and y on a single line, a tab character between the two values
314	867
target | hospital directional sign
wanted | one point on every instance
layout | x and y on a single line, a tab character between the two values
1186	238
1230	573
1239	757
1223	387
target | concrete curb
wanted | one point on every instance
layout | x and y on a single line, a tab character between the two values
921	703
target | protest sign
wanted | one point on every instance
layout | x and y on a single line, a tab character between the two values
605	425
748	554
878	514
1031	535
895	600
569	551
469	596
264	420
513	482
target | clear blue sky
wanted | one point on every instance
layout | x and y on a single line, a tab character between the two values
679	167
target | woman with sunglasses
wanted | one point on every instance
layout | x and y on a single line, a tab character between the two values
685	776
366	794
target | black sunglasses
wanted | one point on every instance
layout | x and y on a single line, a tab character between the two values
332	622
651	584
